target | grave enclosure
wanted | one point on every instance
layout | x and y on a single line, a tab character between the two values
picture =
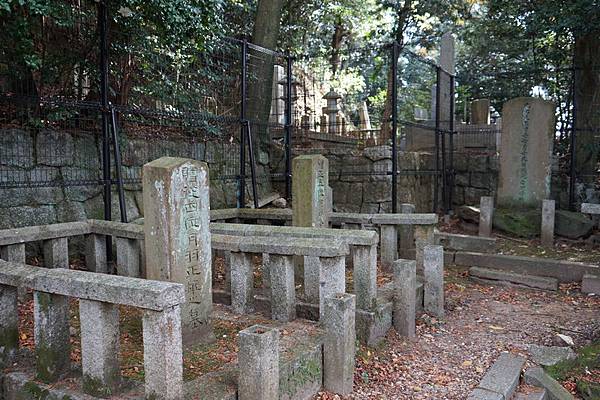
166	269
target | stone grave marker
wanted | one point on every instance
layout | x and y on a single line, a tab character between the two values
177	237
309	191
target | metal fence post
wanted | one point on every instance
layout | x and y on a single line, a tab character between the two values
395	51
288	129
437	140
244	89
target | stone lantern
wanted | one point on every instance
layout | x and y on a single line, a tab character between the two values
332	109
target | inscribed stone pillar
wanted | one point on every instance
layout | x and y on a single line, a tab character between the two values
176	228
480	111
526	151
447	62
309	191
548	207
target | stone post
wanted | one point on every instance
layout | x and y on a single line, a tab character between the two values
323	124
309	190
312	267
99	347
283	290
548	223
332	279
423	237
389	245
9	324
433	289
364	260
258	363
405	232
339	346
405	287
95	253
128	257
480	112
13	253
447	62
242	283
163	354
177	237
486	215
51	319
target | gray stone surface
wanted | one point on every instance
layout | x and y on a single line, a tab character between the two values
503	376
389	245
332	279
242	283
95	253
258	360
283	290
43	232
550	355
482	394
404	219
163	354
497	276
142	293
405	289
13	252
539	394
405	232
177	236
526	151
128	257
486	216
548	223
537	377
282	246
423	237
9	324
56	253
340	343
115	228
99	347
589	208
312	270
452	241
309	191
591	284
433	274
364	261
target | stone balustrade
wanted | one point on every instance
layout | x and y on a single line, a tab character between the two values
99	297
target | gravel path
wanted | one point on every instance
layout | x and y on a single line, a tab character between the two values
449	357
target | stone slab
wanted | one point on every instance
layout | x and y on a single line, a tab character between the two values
550	355
452	241
482	394
590	208
372	326
590	284
496	276
564	271
404	219
114	228
539	394
503	376
537	377
142	293
283	245
43	232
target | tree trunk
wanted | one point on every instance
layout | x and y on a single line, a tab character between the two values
587	105
336	44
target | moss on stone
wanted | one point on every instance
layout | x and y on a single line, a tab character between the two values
523	222
588	359
9	342
48	363
95	387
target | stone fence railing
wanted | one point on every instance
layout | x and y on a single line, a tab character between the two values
99	297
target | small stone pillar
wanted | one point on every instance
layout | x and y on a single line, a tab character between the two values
163	354
99	347
405	287
242	283
283	290
339	347
423	237
177	237
51	320
309	191
389	245
364	260
128	257
344	128
258	363
332	110
323	124
480	112
338	125
95	253
406	232
332	279
13	253
312	273
486	215
9	324
433	274
548	207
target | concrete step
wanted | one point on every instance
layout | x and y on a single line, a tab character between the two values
501	380
538	394
494	276
536	376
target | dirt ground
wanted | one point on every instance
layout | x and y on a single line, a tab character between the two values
450	356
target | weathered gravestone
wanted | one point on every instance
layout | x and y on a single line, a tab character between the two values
177	237
480	111
310	209
526	151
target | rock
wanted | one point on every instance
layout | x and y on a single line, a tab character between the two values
537	377
590	284
279	203
377	153
550	355
468	214
572	225
524	223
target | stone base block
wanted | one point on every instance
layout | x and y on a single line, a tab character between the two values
492	276
301	370
536	376
590	284
372	326
503	376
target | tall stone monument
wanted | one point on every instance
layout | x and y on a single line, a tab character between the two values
526	151
309	191
480	112
177	237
